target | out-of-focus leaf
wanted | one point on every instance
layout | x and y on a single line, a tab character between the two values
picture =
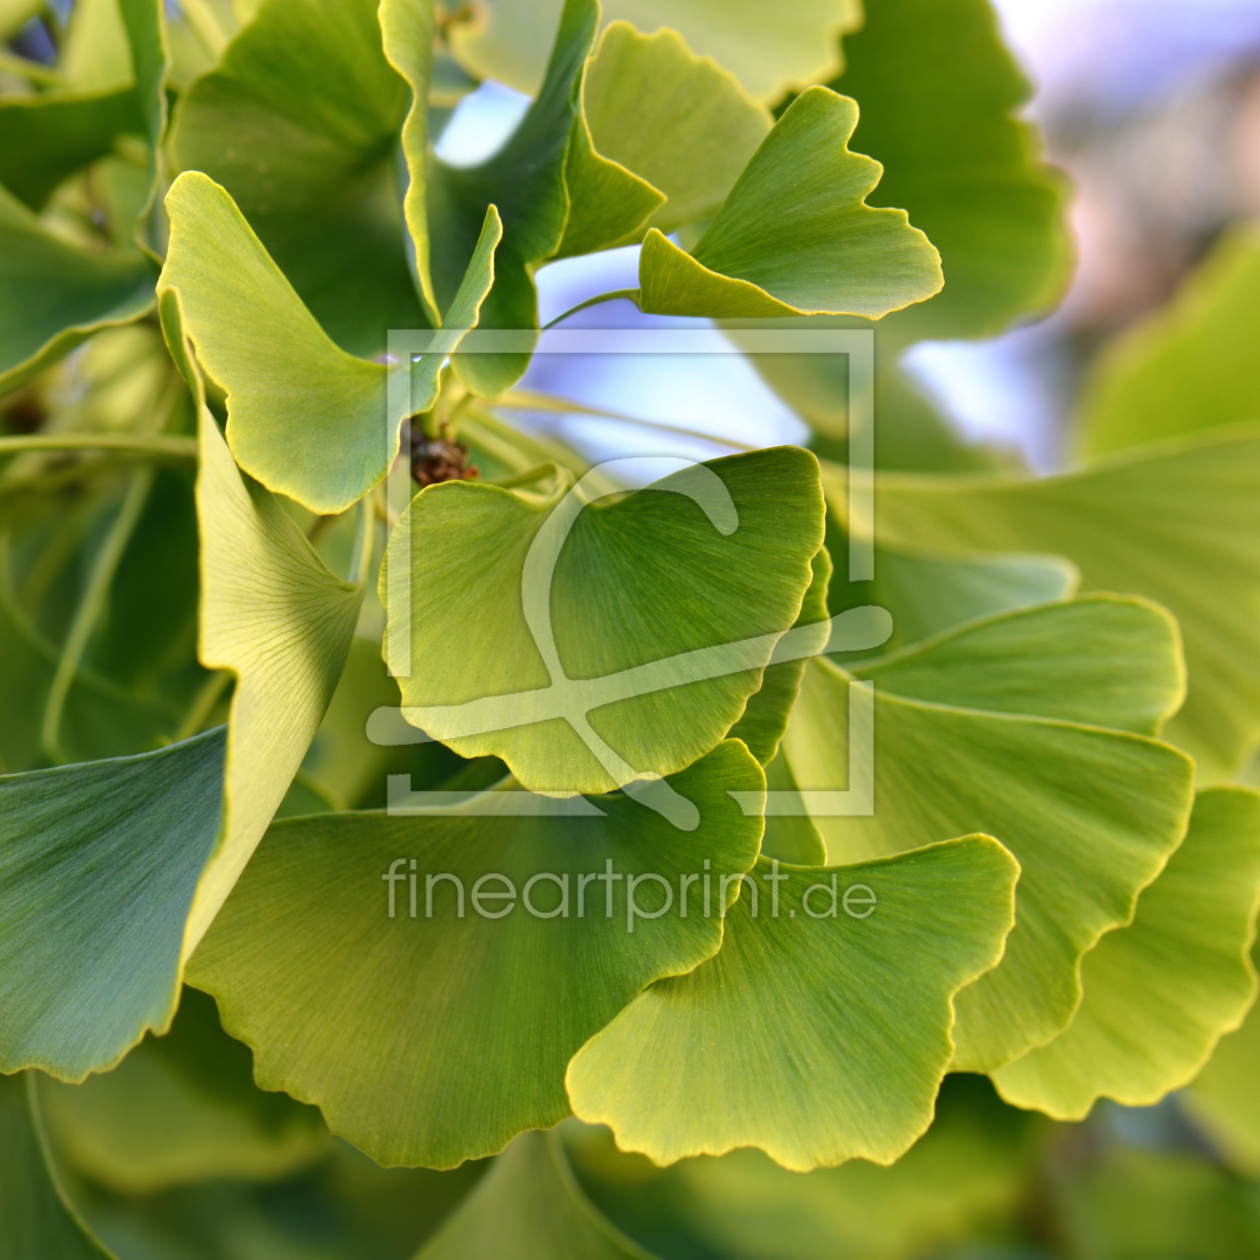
101	862
649	577
1160	992
783	1040
1189	367
1091	814
299	122
795	235
796	48
529	1207
178	1109
273	615
678	120
39	1223
437	1038
1177	523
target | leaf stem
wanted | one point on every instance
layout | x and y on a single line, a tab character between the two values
90	608
157	445
632	294
46	76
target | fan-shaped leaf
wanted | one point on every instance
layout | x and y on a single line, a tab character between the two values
1160	992
795	236
431	1038
816	1039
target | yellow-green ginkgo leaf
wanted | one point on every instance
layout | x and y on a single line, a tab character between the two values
299	122
1191	366
273	615
680	121
1090	813
1160	992
39	1221
590	647
817	1039
795	236
101	862
1176	522
430	1010
304	417
798	47
530	1207
179	1109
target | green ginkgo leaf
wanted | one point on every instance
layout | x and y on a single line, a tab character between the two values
101	862
938	92
795	236
436	1033
817	1039
1177	523
304	417
1190	366
530	1207
680	121
1091	814
273	615
179	1109
655	615
797	48
39	1222
299	122
1160	992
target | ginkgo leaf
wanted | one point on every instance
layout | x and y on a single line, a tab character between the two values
938	93
1190	366
101	862
530	1207
1091	814
304	417
797	48
817	1039
39	1222
179	1109
274	616
1160	992
680	121
795	236
436	1033
531	612
299	122
1176	523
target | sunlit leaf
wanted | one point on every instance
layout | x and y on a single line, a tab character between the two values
1190	366
795	235
1176	523
1161	991
716	554
786	1039
1091	814
435	1038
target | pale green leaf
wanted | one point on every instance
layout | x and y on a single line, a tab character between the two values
795	235
101	861
680	121
437	1038
738	574
39	1223
817	1040
299	122
797	47
529	1207
1091	814
1176	523
1190	366
1160	992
